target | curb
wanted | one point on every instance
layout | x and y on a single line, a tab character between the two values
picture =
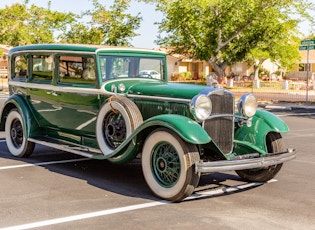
289	107
281	107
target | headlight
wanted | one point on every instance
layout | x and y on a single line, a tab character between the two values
201	107
247	105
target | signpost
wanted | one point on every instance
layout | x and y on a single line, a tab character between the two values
307	45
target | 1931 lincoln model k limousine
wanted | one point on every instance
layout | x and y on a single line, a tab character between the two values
104	103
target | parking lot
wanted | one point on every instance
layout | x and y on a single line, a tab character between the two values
58	190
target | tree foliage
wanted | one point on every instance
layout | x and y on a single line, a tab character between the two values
224	32
111	26
22	24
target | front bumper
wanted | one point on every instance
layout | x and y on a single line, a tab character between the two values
231	165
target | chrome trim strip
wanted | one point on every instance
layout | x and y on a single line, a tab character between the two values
165	99
88	152
58	88
90	91
232	165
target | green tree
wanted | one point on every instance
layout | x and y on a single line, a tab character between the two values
22	24
111	26
282	49
224	32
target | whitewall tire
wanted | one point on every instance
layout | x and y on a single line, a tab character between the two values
117	119
168	165
16	140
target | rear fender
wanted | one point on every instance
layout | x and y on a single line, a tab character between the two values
15	101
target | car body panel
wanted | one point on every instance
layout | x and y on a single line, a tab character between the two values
68	110
253	138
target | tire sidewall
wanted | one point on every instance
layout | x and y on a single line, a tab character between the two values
107	108
18	152
155	186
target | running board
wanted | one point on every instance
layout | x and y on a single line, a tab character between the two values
82	151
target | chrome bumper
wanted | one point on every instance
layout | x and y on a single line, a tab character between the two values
231	165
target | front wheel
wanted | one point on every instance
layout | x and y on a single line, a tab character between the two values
168	165
274	143
17	142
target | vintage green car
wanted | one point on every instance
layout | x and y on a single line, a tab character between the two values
94	101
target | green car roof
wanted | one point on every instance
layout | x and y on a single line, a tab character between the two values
83	48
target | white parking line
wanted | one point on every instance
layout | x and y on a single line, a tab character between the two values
43	163
85	216
198	195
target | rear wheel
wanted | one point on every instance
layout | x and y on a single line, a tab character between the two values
274	143
168	165
17	142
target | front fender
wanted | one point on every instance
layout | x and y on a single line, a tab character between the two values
186	128
254	137
18	102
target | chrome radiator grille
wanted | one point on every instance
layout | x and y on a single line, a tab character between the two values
221	128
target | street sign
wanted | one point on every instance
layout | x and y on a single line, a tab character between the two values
307	47
308	42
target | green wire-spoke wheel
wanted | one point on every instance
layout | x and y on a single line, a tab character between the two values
168	165
165	164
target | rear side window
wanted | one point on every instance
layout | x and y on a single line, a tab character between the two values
42	67
76	70
19	70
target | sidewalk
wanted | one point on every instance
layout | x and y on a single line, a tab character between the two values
3	84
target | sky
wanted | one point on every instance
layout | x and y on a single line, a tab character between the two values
148	31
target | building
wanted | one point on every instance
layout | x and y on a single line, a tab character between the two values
4	61
299	71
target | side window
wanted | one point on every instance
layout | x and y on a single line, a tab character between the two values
19	67
42	67
76	70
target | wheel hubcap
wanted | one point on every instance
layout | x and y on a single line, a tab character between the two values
16	133
165	164
114	129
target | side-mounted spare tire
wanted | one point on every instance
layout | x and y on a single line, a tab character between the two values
116	120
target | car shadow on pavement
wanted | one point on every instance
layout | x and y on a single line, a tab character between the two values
126	179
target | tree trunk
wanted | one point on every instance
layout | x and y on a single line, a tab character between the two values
218	70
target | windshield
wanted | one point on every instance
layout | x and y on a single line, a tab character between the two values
120	66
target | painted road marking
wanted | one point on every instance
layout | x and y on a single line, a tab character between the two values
195	196
43	163
85	216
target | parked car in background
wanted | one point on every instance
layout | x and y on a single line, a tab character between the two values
97	102
150	74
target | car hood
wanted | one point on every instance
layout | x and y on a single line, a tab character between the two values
155	88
